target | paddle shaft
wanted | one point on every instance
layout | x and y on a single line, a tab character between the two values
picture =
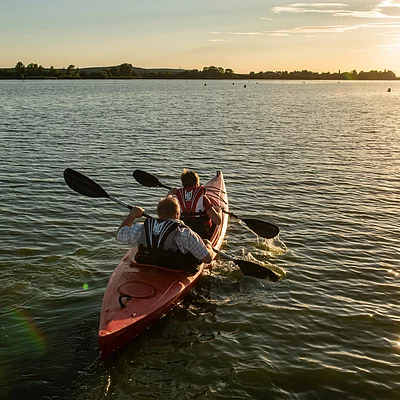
127	205
227	256
88	187
231	214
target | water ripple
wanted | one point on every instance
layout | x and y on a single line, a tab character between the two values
320	160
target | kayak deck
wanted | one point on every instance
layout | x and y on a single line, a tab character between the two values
137	295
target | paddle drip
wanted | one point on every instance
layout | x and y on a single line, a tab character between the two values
250	268
271	247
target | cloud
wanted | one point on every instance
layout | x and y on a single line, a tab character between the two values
380	25
332	28
218	40
278	34
266	18
364	14
388	4
309	8
215	33
387	9
247	33
314	29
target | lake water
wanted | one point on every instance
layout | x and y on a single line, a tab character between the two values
319	159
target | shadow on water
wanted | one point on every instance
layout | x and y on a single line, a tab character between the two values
128	371
35	368
166	361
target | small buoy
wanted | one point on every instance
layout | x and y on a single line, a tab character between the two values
205	84
244	86
389	89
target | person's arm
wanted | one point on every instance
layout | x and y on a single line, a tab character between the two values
172	192
191	242
214	214
136	212
210	256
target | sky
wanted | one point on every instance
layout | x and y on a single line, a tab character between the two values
243	35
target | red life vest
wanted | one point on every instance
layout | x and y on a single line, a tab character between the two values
193	212
191	202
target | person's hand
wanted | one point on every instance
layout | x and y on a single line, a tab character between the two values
207	243
211	252
137	212
172	192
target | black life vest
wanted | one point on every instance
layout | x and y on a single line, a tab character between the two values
157	246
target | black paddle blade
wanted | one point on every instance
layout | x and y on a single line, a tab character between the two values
146	179
262	228
258	271
83	185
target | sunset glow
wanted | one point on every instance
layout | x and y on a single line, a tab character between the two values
255	36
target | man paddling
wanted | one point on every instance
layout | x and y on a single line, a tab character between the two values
165	241
197	210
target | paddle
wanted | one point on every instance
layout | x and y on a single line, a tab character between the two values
261	228
87	187
251	269
148	180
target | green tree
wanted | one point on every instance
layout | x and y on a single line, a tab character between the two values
53	72
125	69
390	75
98	75
115	71
70	70
212	72
20	67
32	69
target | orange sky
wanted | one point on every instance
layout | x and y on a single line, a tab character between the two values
254	35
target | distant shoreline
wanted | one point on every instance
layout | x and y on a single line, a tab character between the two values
127	71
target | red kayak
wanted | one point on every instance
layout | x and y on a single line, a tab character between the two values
138	295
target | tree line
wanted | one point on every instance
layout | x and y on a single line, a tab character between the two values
127	71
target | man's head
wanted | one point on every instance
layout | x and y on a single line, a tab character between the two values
189	178
168	208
